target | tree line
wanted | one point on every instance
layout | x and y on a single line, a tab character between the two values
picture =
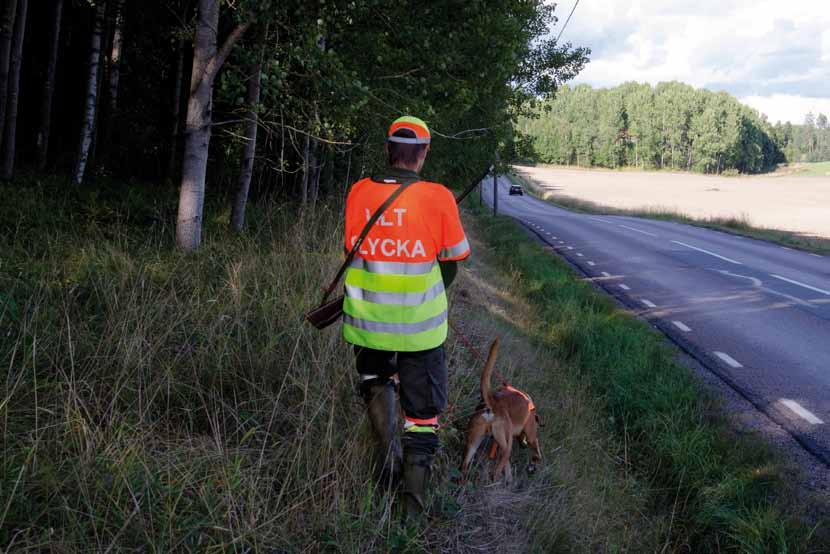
229	100
668	126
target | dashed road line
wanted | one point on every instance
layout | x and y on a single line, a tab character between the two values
648	303
801	411
724	258
606	274
638	230
816	256
591	264
800	284
786	248
682	326
624	287
569	247
728	359
581	255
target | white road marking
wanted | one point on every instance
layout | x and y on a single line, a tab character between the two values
580	255
648	303
728	359
724	258
786	248
801	411
816	256
638	230
822	291
606	274
561	242
757	283
591	263
569	247
625	287
682	326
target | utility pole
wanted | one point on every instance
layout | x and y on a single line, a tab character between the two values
495	186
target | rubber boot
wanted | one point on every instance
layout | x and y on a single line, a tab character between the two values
383	417
416	470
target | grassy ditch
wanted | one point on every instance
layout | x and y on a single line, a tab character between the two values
161	402
724	491
735	225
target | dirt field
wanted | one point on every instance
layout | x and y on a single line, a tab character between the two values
791	203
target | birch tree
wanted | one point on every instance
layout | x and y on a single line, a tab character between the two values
88	126
207	61
10	129
249	152
6	29
114	72
49	89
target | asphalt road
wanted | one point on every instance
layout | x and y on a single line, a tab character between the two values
756	314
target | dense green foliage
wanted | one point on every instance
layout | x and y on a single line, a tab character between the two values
670	126
809	142
334	73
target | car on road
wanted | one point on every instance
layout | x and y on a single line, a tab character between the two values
516	189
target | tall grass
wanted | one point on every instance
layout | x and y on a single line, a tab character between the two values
162	402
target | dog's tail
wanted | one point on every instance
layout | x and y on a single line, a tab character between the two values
486	393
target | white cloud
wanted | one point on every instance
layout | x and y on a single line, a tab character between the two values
750	48
788	107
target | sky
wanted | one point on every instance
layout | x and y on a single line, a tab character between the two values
771	55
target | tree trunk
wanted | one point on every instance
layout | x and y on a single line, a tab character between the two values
238	216
49	90
177	105
206	64
114	76
306	169
91	95
6	30
10	129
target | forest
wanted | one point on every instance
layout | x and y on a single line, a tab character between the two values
668	126
256	97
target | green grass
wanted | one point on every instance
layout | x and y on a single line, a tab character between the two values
820	169
161	402
725	489
735	225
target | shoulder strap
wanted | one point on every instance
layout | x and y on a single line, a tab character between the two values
375	216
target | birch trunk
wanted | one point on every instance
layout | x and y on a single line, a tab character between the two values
10	129
88	127
252	98
114	75
177	106
206	64
6	30
49	90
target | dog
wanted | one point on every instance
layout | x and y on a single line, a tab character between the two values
508	413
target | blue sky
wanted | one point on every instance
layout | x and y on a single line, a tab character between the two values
772	55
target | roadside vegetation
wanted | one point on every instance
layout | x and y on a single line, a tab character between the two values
723	491
161	403
736	225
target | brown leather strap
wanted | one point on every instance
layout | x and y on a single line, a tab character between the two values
375	216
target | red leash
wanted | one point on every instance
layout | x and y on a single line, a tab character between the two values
469	345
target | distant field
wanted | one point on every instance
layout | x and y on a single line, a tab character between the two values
799	203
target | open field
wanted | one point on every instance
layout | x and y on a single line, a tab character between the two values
789	203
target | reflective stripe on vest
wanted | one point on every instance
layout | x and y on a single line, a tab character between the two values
413	425
395	306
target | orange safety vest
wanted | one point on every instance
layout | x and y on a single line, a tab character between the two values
395	298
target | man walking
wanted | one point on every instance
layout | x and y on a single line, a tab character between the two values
395	307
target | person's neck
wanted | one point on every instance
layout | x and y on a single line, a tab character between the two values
413	168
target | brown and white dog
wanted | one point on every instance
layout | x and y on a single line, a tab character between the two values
508	414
